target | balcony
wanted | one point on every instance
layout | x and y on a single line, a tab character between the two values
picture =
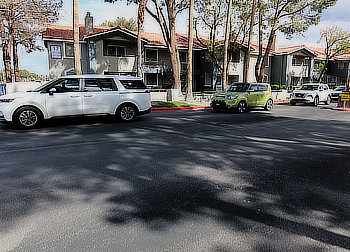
299	71
126	64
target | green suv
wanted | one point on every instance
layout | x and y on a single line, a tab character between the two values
241	96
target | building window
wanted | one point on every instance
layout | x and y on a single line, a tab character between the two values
207	79
68	50
56	52
236	56
113	50
151	55
341	65
121	51
183	57
152	79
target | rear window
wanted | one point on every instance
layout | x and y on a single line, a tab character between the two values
133	84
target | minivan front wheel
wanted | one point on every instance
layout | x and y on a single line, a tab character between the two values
242	107
27	118
127	113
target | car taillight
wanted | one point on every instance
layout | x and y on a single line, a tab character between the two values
147	91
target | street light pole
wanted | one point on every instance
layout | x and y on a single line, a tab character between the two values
77	63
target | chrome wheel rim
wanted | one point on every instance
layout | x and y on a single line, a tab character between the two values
127	113
28	118
241	107
269	105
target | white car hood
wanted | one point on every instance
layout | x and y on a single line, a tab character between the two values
304	91
15	95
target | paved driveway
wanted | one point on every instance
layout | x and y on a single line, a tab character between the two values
179	181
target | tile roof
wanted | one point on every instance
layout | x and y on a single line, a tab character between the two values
156	39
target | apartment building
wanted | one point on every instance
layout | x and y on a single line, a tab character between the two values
113	50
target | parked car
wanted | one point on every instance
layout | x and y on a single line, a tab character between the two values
122	96
241	96
313	93
336	93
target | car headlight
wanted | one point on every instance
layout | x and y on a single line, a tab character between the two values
232	97
7	100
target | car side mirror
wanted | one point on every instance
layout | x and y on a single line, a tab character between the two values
52	90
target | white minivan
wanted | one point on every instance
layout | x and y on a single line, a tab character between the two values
77	95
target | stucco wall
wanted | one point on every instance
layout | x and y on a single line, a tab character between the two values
116	64
60	67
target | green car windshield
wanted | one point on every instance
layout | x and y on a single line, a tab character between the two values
238	87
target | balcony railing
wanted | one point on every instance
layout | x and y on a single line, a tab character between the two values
299	71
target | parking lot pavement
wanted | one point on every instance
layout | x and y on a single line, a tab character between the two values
179	181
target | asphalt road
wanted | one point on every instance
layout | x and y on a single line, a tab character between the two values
179	181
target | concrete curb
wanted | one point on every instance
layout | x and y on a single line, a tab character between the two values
341	109
281	101
181	108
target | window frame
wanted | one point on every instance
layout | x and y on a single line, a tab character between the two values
65	51
47	88
56	45
157	52
114	85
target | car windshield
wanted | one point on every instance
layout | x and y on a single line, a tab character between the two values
309	87
238	87
340	89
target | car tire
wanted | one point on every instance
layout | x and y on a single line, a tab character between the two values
316	101
216	109
126	113
27	118
242	107
328	101
269	105
292	103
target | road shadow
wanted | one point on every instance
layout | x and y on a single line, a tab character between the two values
294	178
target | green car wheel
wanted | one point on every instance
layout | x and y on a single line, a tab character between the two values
242	107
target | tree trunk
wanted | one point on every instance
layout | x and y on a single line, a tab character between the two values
77	63
247	59
189	95
174	55
323	71
265	58
257	64
6	57
7	61
15	61
227	35
140	21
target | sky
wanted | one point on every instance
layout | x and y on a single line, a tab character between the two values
37	62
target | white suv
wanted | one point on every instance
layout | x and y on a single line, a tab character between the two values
311	93
76	95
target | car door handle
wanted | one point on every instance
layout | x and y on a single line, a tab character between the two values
87	95
74	96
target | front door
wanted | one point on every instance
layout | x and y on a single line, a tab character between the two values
63	98
100	96
253	95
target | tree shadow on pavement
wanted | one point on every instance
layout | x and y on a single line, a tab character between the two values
295	179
